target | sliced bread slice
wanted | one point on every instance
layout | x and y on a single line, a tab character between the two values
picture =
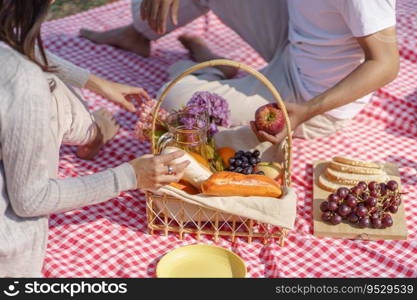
355	170
353	179
328	185
357	163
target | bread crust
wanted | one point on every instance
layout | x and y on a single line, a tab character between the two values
352	179
357	163
235	184
354	169
327	185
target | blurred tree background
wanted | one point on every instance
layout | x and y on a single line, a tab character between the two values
63	8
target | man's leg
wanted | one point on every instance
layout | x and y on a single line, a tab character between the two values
320	126
263	24
136	37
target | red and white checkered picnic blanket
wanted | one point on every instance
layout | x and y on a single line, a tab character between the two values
111	239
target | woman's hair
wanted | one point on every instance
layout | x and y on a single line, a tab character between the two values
20	27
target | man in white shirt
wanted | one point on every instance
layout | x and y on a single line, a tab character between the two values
326	57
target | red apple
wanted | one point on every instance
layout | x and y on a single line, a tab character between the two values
269	118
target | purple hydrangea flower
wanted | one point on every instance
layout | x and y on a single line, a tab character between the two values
216	106
212	130
189	123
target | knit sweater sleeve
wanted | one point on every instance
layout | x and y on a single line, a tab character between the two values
67	71
25	138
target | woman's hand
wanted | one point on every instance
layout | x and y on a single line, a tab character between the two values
156	13
297	113
117	93
152	171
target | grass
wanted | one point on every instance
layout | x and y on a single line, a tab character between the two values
63	8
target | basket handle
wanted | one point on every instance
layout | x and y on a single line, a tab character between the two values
251	71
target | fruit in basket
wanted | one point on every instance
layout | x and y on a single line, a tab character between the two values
363	205
269	118
234	184
226	153
244	162
195	173
273	170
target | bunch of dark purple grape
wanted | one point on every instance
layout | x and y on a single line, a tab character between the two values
364	205
245	162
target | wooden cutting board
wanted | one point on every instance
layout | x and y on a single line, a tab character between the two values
344	230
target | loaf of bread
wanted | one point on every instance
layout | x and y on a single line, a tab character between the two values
353	178
328	185
356	163
185	186
235	184
348	172
334	165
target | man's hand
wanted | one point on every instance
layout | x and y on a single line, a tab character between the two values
297	113
119	94
156	13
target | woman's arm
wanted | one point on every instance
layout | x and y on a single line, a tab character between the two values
117	93
27	144
68	72
79	77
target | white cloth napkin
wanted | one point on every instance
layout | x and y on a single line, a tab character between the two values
275	211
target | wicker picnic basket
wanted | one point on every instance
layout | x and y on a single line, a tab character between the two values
168	214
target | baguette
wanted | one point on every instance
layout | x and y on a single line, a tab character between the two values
185	186
356	163
353	179
235	184
353	169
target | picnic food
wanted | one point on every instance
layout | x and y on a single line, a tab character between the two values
269	118
226	153
364	205
234	184
355	162
272	170
342	171
201	160
195	173
341	167
245	162
185	186
352	178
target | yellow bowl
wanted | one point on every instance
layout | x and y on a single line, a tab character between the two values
200	261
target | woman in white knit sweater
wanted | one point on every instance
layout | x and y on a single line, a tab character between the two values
38	112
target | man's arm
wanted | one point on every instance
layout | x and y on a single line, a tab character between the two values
381	66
